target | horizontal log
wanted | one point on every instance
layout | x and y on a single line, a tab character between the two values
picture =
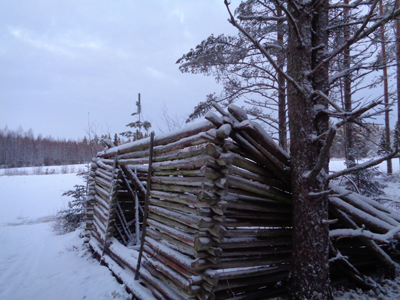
228	159
187	199
175	242
172	222
186	173
240	262
103	182
177	278
102	165
233	170
260	232
159	139
257	252
183	294
252	242
104	174
361	217
264	207
258	188
186	164
359	203
190	220
173	255
182	154
181	188
181	207
185	181
213	277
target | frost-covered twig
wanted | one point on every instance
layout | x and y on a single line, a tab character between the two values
361	232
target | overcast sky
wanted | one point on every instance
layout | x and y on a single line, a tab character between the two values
61	60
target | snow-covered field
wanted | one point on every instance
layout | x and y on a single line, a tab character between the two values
36	263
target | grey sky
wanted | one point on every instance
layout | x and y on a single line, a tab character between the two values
60	60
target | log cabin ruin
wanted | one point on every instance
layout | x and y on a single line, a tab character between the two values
205	213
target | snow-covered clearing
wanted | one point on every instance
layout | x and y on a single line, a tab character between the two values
36	263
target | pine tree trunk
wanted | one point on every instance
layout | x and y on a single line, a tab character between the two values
309	278
281	84
349	144
398	64
385	92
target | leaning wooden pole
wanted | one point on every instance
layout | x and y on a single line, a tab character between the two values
146	206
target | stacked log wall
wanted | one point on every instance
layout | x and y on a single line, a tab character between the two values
219	221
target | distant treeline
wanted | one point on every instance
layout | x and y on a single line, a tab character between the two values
21	149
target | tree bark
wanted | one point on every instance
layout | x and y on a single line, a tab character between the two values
398	64
309	278
281	84
386	93
349	144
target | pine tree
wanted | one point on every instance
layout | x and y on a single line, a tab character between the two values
138	134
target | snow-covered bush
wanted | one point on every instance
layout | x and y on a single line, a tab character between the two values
74	216
71	218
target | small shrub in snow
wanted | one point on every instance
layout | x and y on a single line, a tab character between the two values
73	217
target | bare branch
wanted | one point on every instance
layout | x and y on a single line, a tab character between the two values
262	50
365	165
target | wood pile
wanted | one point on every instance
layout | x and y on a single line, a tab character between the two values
219	212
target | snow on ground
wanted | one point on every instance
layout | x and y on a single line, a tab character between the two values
35	262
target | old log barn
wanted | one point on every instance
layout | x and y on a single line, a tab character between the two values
205	213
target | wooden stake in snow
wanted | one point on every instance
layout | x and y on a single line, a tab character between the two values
146	205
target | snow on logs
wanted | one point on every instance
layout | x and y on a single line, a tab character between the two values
220	213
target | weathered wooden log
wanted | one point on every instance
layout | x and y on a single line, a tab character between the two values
177	243
182	188
361	217
182	154
134	179
103	182
190	220
240	195
371	245
258	133
177	278
240	262
264	207
187	199
232	170
258	188
160	139
102	165
227	159
213	118
252	242
359	203
206	212
171	222
184	181
146	204
261	158
102	202
259	232
214	277
104	174
183	294
173	255
184	173
188	274
257	252
187	163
